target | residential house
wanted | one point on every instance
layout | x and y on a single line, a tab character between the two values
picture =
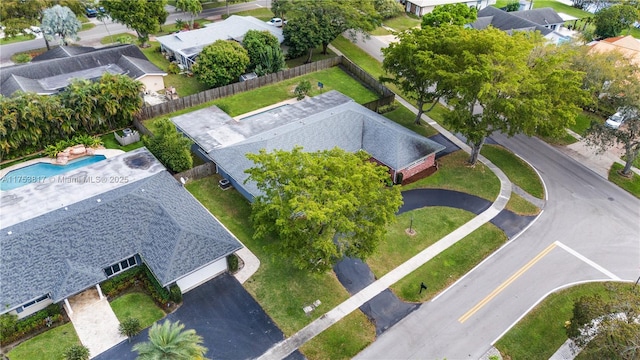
184	47
545	20
422	7
319	123
72	232
626	45
54	70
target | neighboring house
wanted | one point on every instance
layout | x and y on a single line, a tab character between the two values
54	70
626	45
319	123
544	20
184	47
422	7
65	235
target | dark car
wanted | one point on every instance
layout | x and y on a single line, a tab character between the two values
91	12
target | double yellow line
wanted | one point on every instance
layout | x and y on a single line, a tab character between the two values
506	283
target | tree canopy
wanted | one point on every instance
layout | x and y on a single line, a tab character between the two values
610	21
61	22
170	341
170	146
388	8
143	16
265	55
318	207
193	7
493	81
221	63
313	23
451	14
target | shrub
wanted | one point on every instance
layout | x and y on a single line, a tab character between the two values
387	108
232	262
173	68
130	327
46	317
175	294
170	147
114	286
8	324
179	24
76	352
22	58
512	6
302	89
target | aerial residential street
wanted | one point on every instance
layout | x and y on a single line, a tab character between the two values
91	36
589	231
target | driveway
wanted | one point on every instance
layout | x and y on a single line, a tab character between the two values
231	322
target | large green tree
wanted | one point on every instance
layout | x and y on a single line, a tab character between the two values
221	63
388	8
193	7
143	16
313	23
61	22
318	207
170	341
450	14
498	82
264	52
279	8
610	21
170	146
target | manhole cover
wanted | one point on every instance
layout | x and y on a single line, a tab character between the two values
138	161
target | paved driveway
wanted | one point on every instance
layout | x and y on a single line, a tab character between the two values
231	322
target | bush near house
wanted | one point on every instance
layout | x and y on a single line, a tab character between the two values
141	275
12	329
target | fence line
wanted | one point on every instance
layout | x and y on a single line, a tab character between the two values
198	172
152	111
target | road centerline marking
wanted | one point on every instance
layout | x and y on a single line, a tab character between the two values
588	261
506	283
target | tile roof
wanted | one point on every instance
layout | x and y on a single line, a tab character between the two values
319	123
64	251
49	75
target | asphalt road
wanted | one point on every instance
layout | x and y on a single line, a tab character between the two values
93	36
589	231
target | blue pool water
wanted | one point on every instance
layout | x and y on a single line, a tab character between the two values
40	171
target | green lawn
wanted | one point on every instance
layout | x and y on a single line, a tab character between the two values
561	8
398	23
281	289
518	205
516	169
17	38
430	224
358	56
317	55
87	26
632	184
113	39
46	346
448	266
263	13
454	174
109	141
406	118
137	305
583	122
541	332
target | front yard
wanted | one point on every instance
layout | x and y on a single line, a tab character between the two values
46	346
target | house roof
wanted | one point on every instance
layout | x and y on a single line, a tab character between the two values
542	16
63	52
628	46
64	251
319	123
52	73
506	21
432	3
190	43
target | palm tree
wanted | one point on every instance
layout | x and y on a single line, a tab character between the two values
170	342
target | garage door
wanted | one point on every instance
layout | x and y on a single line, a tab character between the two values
202	275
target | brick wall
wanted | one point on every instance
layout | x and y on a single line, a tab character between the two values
426	163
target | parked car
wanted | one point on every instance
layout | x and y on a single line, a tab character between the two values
91	12
277	22
614	121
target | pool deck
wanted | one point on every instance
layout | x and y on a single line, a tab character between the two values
47	160
33	200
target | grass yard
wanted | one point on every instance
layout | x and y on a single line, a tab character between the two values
561	8
539	334
583	122
113	39
518	205
516	169
109	141
448	266
46	346
263	13
17	38
406	118
281	289
87	26
454	174
358	56
399	23
632	184
137	305
317	55
430	224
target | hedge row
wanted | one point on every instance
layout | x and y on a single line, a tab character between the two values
141	275
12	329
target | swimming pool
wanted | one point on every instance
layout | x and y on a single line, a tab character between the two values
40	171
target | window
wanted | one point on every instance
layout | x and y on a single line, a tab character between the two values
31	303
120	266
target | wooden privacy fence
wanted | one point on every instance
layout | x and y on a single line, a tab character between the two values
168	107
198	172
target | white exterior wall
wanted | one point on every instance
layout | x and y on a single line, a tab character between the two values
202	275
32	309
152	82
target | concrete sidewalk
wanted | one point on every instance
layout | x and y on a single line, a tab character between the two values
289	345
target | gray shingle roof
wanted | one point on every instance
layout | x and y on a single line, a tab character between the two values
87	65
64	251
319	123
542	16
63	52
505	21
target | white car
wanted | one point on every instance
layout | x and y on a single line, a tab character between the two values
614	121
277	22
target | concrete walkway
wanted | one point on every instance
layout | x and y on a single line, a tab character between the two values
95	322
289	345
